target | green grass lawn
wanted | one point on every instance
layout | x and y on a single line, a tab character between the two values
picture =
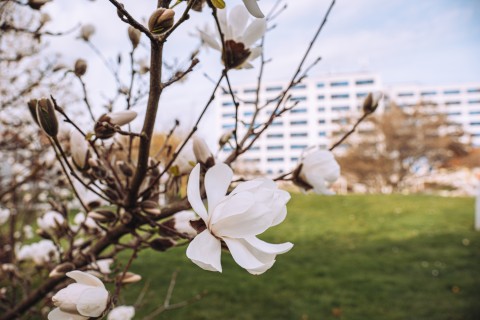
355	257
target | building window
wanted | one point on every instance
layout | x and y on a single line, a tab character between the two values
256	148
476	112
320	85
228	103
274	147
252	90
321	121
474	90
228	115
275	135
428	93
341	108
321	97
473	101
252	160
277	123
452	103
451	92
227	149
302	110
339	84
298	134
362	94
322	134
270	89
279	159
294	159
475	123
298	98
228	126
321	109
405	94
248	113
298	146
298	122
340	121
340	96
364	82
299	86
457	113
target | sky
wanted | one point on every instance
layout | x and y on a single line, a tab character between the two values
404	41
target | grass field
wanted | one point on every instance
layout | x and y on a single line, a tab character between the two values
355	257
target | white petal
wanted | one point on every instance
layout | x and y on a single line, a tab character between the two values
217	180
85	278
253	8
66	299
269	248
245	65
254	31
205	251
193	193
92	302
210	41
121	118
238	19
242	255
255	53
236	204
57	314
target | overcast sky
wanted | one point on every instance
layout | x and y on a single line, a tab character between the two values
405	41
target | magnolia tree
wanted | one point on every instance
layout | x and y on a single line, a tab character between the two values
129	192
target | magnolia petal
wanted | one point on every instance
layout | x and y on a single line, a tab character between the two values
66	299
248	185
85	278
282	214
193	193
254	31
253	8
255	53
242	255
245	65
237	204
269	248
121	118
92	302
57	314
238	19
217	180
262	269
210	41
205	251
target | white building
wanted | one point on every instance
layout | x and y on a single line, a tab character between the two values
324	105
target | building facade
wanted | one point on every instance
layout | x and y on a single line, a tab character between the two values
323	107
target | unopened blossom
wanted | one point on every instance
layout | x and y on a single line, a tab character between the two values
81	219
239	38
161	20
4	215
50	221
87	31
100	267
81	300
40	253
253	8
104	127
202	152
121	313
181	222
236	219
185	160
317	169
79	149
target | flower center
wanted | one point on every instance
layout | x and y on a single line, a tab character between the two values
235	54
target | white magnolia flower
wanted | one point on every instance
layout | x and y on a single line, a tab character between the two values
82	300
319	168
181	222
121	118
4	215
50	221
78	149
122	313
100	267
239	38
89	223
201	151
40	252
250	209
253	8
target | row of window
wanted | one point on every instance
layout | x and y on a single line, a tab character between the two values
333	84
433	93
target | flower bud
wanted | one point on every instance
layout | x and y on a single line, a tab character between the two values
220	4
32	107
371	102
46	117
202	152
225	138
37	4
129	277
104	127
161	20
126	169
150	207
80	67
44	18
79	150
134	35
102	215
62	269
162	244
87	31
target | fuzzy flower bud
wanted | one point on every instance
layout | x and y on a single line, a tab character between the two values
60	270
105	126
80	67
86	32
134	35
161	20
79	149
371	102
122	313
202	152
129	277
46	117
